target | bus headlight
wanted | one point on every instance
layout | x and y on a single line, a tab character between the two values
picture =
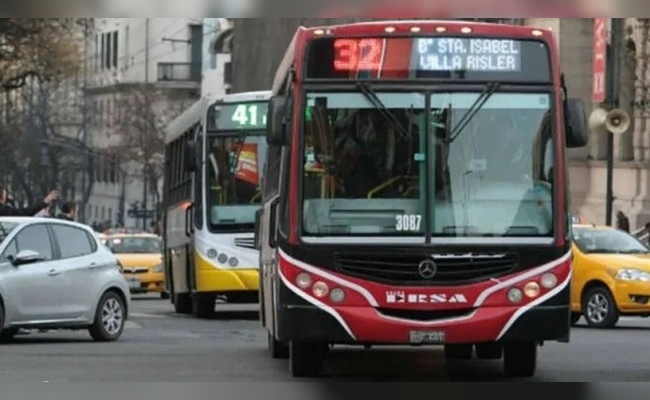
531	290
515	295
337	295
212	254
223	258
320	289
303	281
233	262
549	281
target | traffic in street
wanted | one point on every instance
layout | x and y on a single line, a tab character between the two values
393	203
161	346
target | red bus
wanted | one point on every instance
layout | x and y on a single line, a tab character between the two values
416	192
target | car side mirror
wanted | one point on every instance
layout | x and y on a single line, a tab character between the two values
258	227
25	257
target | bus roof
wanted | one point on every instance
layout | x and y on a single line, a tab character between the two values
186	120
197	111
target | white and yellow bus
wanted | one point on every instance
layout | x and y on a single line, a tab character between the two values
214	160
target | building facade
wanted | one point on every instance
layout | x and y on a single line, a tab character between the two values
142	72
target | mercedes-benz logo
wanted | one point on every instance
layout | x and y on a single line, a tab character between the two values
427	269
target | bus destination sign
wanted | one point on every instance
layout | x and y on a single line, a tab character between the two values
468	54
459	58
238	116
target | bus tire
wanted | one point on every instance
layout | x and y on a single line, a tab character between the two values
520	359
182	303
458	351
489	351
203	305
575	318
306	359
278	350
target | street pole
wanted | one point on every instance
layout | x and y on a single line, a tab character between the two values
144	161
613	91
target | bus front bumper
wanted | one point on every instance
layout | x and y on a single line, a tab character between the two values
366	325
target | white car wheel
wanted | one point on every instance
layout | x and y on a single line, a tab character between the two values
110	318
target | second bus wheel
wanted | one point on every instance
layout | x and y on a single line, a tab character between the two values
306	359
203	305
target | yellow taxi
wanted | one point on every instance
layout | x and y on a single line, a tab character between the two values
140	255
611	276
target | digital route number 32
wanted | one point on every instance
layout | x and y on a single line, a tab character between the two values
358	54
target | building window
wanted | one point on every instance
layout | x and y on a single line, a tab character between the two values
103	52
97	52
126	46
115	49
107	50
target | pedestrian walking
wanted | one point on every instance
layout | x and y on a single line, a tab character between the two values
7	210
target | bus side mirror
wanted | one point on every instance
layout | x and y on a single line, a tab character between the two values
190	157
273	221
276	133
258	226
577	134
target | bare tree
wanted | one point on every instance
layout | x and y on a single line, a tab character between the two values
36	57
144	113
41	48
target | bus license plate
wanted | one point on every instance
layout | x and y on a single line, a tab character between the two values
134	283
427	337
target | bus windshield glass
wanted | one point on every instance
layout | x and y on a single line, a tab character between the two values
380	168
234	173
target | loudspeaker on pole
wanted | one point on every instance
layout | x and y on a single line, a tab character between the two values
616	121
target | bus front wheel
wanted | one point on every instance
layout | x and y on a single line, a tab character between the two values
182	303
203	305
306	359
520	359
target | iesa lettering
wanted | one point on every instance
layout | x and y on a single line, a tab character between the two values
397	297
468	55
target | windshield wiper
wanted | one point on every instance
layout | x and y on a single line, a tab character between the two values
485	95
369	93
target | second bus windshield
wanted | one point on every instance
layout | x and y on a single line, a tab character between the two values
234	171
367	175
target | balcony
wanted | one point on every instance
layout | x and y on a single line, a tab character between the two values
178	74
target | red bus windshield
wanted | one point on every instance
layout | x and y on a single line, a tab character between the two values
399	161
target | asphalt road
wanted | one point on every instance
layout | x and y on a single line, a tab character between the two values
159	346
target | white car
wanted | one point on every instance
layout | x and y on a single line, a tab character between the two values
56	274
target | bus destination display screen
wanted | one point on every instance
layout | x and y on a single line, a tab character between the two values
480	59
237	116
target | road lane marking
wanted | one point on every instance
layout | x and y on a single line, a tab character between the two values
132	326
143	315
